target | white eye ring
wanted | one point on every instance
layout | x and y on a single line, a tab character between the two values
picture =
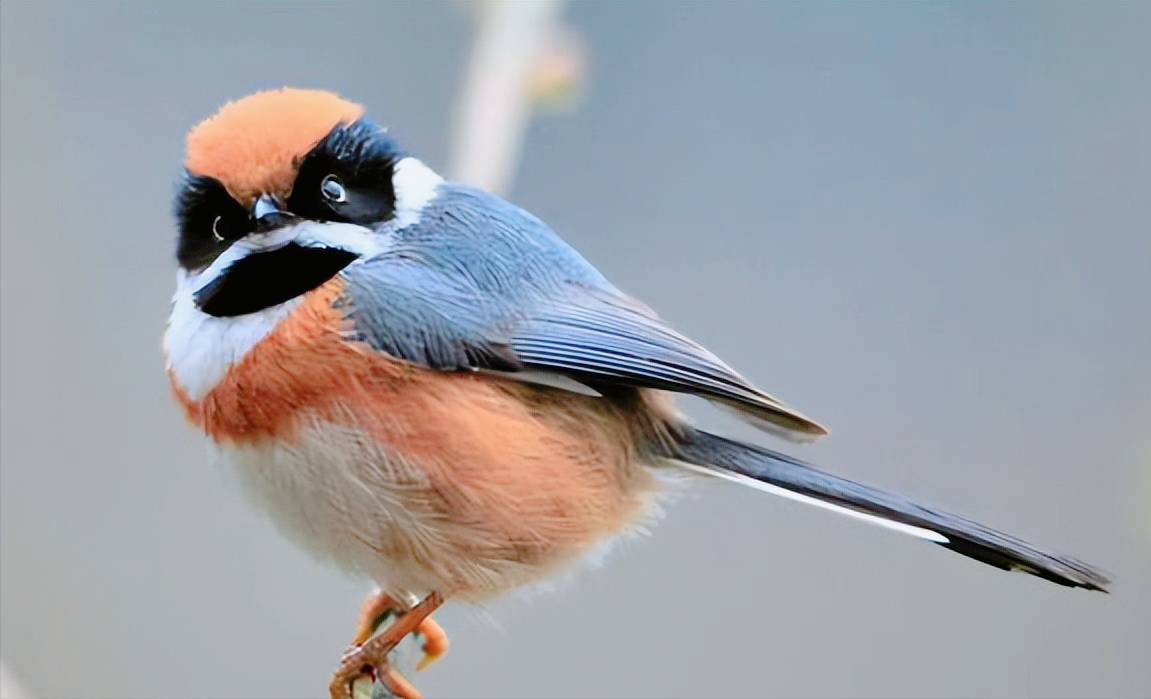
216	233
333	190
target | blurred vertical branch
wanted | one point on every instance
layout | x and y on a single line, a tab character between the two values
521	55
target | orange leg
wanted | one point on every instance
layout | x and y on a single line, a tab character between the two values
371	657
374	611
435	642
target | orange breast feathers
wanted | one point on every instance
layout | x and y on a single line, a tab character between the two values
541	470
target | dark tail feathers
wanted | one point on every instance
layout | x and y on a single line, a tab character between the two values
724	457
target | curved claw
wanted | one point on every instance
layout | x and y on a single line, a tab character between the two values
435	642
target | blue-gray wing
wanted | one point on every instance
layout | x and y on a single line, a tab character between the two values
417	315
480	284
595	338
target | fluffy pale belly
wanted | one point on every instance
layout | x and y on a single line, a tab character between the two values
468	529
454	482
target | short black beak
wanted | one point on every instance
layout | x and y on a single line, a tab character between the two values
268	215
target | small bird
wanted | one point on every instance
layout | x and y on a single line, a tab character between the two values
422	383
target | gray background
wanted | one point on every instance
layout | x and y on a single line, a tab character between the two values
927	225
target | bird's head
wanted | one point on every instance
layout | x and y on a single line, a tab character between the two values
283	189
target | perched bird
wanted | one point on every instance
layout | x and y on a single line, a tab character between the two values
423	383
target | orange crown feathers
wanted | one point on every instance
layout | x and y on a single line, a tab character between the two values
253	145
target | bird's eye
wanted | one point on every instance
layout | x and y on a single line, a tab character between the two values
227	228
333	190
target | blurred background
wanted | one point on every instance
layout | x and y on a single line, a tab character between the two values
927	225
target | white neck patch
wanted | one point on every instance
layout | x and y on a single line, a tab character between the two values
415	185
201	348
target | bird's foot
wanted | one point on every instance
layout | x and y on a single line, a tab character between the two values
368	656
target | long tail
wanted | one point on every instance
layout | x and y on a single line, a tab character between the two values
783	475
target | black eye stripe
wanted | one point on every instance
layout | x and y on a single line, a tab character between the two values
347	176
361	156
209	220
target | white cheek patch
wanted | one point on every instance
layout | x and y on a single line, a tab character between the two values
346	236
201	348
415	185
